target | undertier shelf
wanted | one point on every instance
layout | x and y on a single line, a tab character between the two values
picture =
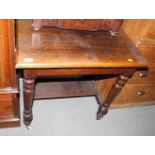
63	89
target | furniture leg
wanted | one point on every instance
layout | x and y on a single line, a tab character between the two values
115	90
29	85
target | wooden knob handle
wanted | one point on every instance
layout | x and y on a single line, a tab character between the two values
141	93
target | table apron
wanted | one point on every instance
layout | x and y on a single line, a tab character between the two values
33	73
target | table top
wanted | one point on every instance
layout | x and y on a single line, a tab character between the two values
55	48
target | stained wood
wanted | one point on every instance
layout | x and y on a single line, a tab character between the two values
130	94
143	77
61	89
138	29
80	24
149	54
55	52
142	34
9	108
34	73
54	48
103	87
7	72
9	122
6	105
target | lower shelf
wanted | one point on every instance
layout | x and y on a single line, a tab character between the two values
64	89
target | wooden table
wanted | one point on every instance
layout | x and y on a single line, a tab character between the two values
74	60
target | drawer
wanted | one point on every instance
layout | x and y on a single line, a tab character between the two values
138	94
143	77
6	105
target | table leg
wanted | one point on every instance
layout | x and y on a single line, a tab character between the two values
115	90
29	85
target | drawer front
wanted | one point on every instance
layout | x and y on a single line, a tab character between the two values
143	77
135	94
6	105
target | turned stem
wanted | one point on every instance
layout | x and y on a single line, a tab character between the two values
29	85
115	90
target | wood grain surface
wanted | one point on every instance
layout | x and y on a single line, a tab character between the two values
9	107
54	48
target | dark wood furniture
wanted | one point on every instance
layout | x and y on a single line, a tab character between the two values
90	56
9	108
111	25
140	88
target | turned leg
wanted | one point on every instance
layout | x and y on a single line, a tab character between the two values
29	85
115	90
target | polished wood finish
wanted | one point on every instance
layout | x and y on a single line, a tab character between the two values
71	72
137	95
6	104
139	30
6	58
29	87
141	86
54	52
143	77
115	90
144	39
54	48
28	99
79	24
9	108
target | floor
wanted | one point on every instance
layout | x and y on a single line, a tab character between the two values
76	117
